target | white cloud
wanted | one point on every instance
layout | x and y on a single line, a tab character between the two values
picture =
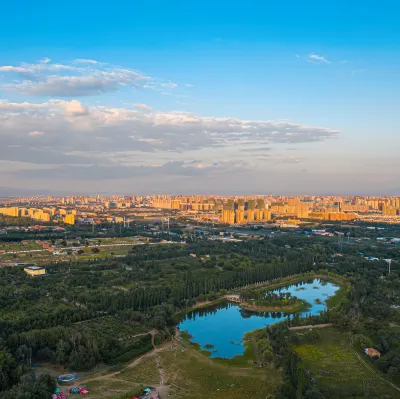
116	136
35	133
68	86
45	60
6	106
86	61
169	85
319	59
82	77
143	107
189	85
75	108
9	68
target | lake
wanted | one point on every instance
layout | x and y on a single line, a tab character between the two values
224	325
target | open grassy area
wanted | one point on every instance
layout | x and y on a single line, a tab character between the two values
109	388
190	375
337	370
146	373
108	247
29	257
19	246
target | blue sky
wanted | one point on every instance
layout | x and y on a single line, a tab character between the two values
232	97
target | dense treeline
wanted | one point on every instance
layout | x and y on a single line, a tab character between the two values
260	297
41	318
370	313
47	318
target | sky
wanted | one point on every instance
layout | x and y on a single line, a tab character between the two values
202	97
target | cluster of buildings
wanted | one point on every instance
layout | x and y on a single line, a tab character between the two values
41	214
239	210
223	209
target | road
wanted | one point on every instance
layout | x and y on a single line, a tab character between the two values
91	246
161	388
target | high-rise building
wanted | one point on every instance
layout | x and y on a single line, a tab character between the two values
230	205
251	204
250	215
267	214
69	219
260	204
228	216
258	214
13	211
239	216
388	210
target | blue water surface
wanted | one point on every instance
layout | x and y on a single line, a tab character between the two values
225	324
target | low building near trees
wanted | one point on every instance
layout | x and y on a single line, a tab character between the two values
34	271
371	352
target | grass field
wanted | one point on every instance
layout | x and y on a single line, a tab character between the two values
191	375
109	388
19	246
188	374
108	247
145	373
337	370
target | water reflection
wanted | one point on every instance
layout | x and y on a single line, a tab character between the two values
224	324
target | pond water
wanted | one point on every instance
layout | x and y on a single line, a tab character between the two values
224	325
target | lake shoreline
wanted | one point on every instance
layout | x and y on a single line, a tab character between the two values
314	292
283	282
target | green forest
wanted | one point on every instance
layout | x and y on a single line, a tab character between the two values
82	314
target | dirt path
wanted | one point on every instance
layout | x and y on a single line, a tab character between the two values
310	326
370	368
138	360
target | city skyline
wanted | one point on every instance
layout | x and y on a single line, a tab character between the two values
221	100
233	210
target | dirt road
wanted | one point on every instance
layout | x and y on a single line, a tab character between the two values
161	388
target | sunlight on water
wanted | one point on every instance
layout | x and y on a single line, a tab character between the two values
224	325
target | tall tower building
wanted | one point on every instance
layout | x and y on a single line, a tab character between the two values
258	214
251	205
228	216
239	216
250	215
